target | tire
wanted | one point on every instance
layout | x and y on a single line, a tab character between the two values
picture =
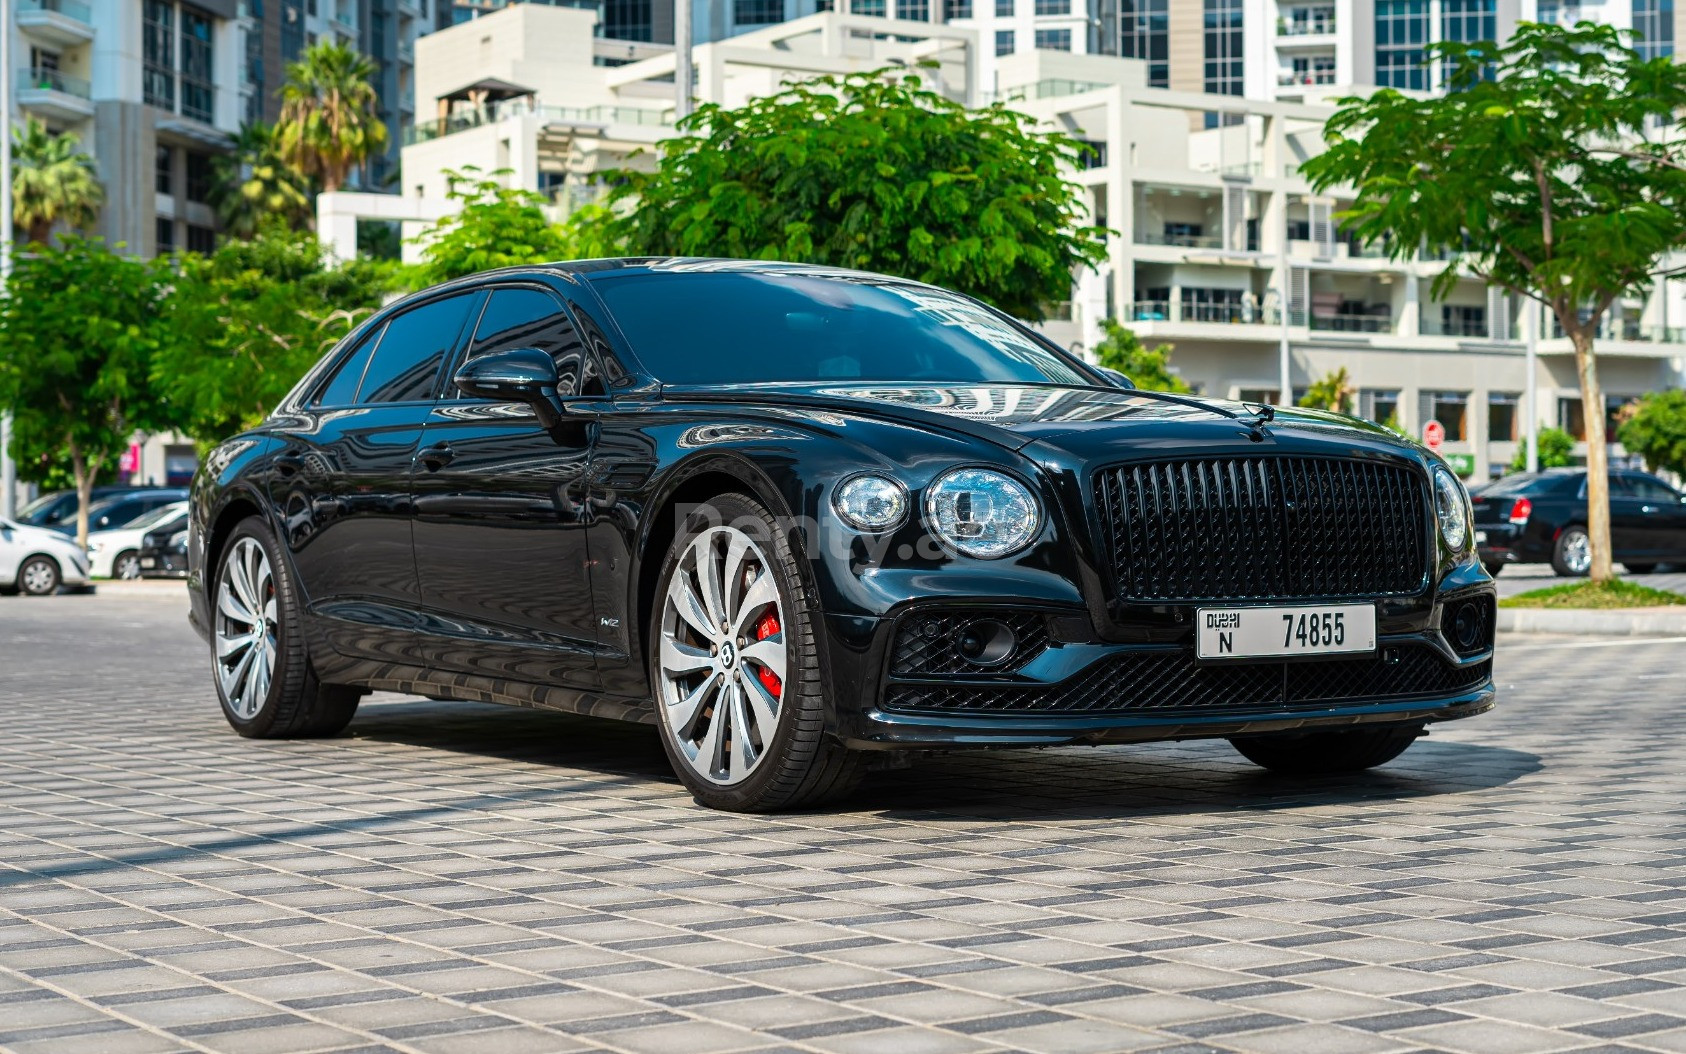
283	699
1639	569
126	566
1571	557
38	576
1321	753
711	699
1494	569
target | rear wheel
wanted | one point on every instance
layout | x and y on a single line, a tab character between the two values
1572	555
1316	753
1639	569
262	666
38	576
733	660
127	565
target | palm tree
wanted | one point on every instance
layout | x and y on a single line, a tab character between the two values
51	181
1333	391
253	185
329	118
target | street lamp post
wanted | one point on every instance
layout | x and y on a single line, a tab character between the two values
8	471
682	58
1531	345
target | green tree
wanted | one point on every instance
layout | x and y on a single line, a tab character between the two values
1333	391
330	118
870	170
1557	450
1150	368
1654	427
52	180
250	319
1549	170
500	226
76	375
253	185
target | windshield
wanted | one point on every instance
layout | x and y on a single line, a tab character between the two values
727	327
155	516
42	509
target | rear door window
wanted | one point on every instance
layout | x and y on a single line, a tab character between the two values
531	318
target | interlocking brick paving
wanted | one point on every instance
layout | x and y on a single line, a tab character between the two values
452	877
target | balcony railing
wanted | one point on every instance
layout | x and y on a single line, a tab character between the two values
1287	78
1222	314
38	79
1432	326
1352	323
1046	89
457	122
68	8
1310	27
1185	241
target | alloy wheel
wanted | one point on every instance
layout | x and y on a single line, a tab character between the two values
246	628
39	577
1577	552
722	662
128	566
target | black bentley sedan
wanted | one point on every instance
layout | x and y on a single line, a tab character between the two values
809	522
1540	518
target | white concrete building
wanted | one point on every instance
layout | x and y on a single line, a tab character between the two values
1222	248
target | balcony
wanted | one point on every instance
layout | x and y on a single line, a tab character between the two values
1351	322
1182	241
424	131
1046	89
1307	22
1295	78
1207	313
1431	325
64	23
54	95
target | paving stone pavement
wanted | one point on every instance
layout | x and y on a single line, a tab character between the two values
454	877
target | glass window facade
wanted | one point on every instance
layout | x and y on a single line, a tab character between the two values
1003	8
158	54
196	79
1401	33
1053	7
1053	40
757	12
914	10
1003	42
628	20
953	9
1224	72
1653	20
1144	33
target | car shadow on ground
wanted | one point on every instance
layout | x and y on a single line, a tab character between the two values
1135	780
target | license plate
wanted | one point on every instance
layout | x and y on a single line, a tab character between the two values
147	561
1480	537
1273	632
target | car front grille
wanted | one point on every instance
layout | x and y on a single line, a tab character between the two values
1169	682
1256	528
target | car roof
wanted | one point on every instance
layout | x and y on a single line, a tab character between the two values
617	266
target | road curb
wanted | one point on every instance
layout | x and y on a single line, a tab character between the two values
1621	622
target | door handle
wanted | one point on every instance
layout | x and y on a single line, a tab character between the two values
437	456
288	464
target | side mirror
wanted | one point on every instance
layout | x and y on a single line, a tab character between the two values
519	375
1116	378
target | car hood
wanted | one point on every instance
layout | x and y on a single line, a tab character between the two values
1088	424
27	534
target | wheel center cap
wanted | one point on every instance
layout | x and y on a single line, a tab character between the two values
728	655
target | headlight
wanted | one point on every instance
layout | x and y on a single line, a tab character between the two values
870	503
981	513
1451	507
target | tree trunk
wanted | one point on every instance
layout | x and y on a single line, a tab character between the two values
39	233
84	492
1597	455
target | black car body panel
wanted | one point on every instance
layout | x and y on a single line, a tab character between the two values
455	548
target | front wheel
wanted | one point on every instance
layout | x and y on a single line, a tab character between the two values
733	661
1319	753
262	666
38	576
1571	557
126	566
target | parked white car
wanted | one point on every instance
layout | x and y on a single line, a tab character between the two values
37	561
115	552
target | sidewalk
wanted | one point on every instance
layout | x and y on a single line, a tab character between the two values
1623	622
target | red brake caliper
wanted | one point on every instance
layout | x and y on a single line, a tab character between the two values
767	627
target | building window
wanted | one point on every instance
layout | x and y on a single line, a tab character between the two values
1003	8
757	12
1224	71
1653	20
163	172
914	10
953	9
164	229
1380	405
1003	42
198	176
201	239
158	55
1213	305
874	8
1053	7
1053	40
1467	22
1144	32
628	20
1501	417
1401	33
1451	409
1463	320
1312	69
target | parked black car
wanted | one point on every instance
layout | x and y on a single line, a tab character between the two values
163	552
1540	517
120	509
807	521
55	508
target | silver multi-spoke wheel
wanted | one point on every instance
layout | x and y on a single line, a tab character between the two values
127	566
1577	553
246	628
39	576
722	660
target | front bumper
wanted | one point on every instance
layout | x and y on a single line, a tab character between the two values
163	563
1067	685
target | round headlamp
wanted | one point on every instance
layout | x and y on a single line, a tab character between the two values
870	503
1451	509
981	513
